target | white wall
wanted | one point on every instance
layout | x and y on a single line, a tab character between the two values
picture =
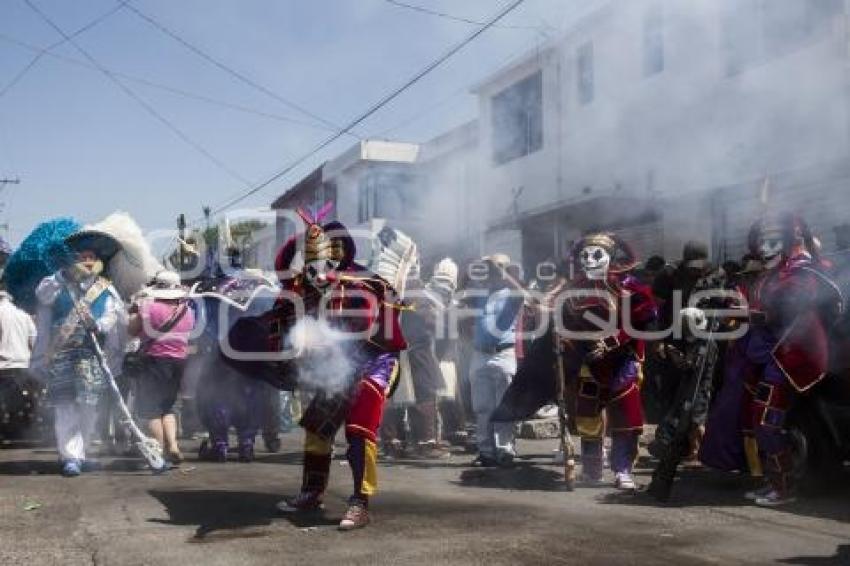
678	135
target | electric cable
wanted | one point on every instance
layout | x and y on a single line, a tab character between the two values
138	99
167	88
231	71
37	57
430	12
375	107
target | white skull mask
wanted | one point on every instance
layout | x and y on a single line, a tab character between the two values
695	320
595	262
771	245
317	272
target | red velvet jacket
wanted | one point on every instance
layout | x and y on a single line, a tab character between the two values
357	301
799	302
616	293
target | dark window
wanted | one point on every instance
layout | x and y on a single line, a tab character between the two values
518	119
585	73
653	41
758	30
365	195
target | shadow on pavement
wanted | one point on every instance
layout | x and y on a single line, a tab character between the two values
841	557
213	511
220	515
521	477
292	458
28	468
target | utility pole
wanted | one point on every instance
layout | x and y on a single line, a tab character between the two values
181	231
3	183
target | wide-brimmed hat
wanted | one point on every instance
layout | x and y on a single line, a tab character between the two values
498	259
102	244
166	285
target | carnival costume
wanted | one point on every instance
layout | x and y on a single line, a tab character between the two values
793	307
72	303
363	306
729	443
229	394
609	366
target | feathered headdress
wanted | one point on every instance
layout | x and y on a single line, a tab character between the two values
318	245
394	254
42	253
133	267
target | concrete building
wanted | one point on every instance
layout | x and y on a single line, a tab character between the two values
422	190
661	120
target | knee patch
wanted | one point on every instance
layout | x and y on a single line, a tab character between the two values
770	406
367	406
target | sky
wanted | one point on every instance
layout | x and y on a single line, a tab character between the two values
83	147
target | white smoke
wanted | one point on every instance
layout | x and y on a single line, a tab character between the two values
321	355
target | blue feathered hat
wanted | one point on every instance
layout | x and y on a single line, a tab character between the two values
42	253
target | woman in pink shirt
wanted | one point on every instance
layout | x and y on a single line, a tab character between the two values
163	320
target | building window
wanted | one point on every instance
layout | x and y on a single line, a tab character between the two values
518	119
585	73
385	194
365	196
653	41
758	30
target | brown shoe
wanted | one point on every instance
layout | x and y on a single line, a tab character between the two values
356	517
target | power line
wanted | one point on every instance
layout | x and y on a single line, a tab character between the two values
231	71
144	104
451	97
166	88
422	113
377	106
430	12
32	63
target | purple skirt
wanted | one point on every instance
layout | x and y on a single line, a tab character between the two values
723	445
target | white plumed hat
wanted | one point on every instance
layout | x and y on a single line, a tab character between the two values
445	272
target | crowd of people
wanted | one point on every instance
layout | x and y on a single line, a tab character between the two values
721	357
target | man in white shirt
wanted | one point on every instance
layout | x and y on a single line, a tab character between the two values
19	392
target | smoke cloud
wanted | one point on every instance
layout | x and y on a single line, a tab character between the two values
321	354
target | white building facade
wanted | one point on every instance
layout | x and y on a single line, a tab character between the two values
423	190
661	120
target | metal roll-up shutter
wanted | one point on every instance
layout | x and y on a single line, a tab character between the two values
647	239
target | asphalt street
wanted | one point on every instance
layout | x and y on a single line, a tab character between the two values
434	512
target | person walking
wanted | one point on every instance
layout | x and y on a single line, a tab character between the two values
494	361
163	319
19	392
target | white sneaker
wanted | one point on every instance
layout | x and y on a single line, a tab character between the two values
774	499
754	494
624	481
